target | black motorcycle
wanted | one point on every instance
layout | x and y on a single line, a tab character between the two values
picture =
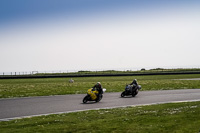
131	90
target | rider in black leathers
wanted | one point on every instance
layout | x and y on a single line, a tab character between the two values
99	88
134	83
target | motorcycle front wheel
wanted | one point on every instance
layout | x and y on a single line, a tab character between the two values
85	99
123	94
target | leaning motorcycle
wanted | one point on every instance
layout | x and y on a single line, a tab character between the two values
130	90
92	95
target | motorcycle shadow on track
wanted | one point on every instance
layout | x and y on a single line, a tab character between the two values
91	102
127	97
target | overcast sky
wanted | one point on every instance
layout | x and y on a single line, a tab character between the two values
47	35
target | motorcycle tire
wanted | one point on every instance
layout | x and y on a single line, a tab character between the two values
85	99
123	94
99	99
135	93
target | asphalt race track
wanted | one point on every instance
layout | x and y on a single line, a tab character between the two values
36	106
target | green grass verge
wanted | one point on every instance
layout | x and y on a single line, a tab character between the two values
162	118
60	86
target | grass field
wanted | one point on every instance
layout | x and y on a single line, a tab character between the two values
162	118
60	86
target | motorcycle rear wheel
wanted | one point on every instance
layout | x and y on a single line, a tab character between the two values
99	99
135	93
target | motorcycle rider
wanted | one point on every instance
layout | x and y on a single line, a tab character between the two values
99	88
134	83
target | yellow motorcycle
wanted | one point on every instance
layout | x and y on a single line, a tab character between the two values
92	95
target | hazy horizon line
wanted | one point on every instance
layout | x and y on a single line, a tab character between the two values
92	70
